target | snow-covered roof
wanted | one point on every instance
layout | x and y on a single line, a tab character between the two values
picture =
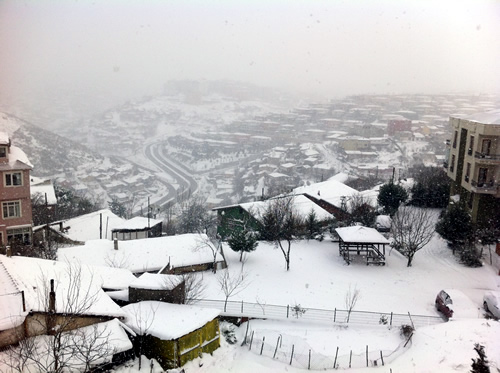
17	160
86	227
360	234
113	277
156	281
43	187
489	117
302	205
33	275
137	223
165	320
4	138
330	191
143	255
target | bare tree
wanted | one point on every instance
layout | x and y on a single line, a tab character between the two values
143	320
194	217
215	247
412	229
194	288
231	284
67	345
117	260
351	298
281	224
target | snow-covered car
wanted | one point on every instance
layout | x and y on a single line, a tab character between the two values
491	303
452	303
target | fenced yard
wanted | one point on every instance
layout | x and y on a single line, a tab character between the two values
279	312
295	351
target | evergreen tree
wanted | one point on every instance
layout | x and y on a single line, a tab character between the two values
455	224
117	208
242	241
480	365
391	196
431	187
313	228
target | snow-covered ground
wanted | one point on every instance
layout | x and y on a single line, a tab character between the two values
319	278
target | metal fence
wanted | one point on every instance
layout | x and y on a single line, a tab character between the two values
296	312
293	350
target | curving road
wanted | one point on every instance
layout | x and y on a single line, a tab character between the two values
154	152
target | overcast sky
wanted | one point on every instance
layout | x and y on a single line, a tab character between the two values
328	47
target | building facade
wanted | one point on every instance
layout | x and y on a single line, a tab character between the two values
474	163
15	198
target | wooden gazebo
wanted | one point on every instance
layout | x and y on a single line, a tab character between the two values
364	241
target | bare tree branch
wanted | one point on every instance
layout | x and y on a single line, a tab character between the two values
231	284
412	229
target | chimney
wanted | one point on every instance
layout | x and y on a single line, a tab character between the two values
8	251
52	298
115	243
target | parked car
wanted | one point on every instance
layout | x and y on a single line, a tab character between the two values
491	303
452	303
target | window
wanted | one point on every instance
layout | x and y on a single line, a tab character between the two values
3	152
11	209
471	146
452	165
19	235
482	177
14	179
485	149
467	173
455	136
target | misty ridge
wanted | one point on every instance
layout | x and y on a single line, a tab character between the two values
230	142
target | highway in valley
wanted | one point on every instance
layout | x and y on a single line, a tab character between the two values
155	153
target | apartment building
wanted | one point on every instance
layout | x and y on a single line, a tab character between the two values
474	163
15	199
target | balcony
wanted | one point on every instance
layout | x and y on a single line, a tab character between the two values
484	188
487	158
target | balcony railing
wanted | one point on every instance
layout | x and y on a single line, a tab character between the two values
485	187
493	157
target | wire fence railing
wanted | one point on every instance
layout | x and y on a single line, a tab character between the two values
294	350
272	311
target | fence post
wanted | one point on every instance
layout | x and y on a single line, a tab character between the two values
287	310
350	358
412	325
291	357
367	355
391	318
334	314
276	349
309	363
246	334
251	340
382	357
335	361
262	347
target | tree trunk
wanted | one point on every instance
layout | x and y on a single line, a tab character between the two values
410	259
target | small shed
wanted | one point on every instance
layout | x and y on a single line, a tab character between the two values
173	334
164	288
364	241
136	228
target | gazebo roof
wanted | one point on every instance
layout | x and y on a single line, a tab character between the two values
360	234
